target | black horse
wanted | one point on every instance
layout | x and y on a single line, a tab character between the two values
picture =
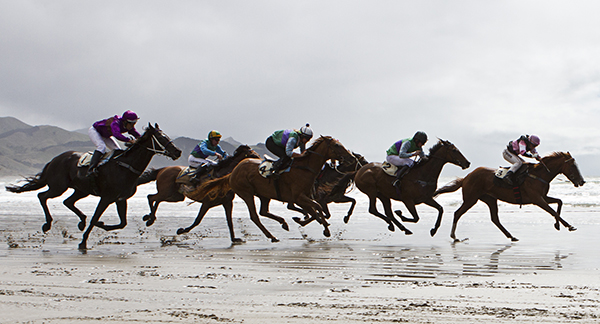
115	181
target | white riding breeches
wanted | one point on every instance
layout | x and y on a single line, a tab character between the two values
102	143
398	161
515	160
195	162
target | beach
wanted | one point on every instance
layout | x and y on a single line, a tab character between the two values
361	274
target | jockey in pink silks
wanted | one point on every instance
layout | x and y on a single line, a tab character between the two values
524	146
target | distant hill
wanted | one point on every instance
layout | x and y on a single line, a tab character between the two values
25	149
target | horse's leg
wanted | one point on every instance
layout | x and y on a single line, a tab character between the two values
351	210
249	200
466	205
227	203
293	207
559	202
206	205
412	209
155	199
70	203
493	205
315	210
102	205
122	211
431	202
387	207
373	210
52	192
264	211
543	204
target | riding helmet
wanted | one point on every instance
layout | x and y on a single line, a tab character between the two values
420	136
533	139
306	131
130	116
214	134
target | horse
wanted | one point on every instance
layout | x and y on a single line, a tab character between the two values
171	191
293	186
115	181
479	185
417	186
331	186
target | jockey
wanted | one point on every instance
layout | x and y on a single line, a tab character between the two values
199	157
525	146
104	132
401	152
283	142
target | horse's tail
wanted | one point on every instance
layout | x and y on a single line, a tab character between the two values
148	176
212	189
33	183
450	187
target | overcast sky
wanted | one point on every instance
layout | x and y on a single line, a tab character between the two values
477	73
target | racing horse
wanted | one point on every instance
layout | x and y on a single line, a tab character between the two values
170	191
417	186
480	185
115	181
293	186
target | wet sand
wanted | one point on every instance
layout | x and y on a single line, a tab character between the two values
362	274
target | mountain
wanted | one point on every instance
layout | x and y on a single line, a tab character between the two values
25	149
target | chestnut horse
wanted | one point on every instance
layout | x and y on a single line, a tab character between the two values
292	187
170	191
479	185
417	186
115	182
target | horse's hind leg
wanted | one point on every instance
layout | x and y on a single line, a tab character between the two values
264	211
53	192
431	202
228	206
206	205
70	203
493	205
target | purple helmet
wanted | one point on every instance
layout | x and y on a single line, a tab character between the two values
534	140
130	116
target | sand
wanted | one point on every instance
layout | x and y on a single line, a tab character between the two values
363	274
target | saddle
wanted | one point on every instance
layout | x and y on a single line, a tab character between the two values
265	168
518	177
185	175
86	159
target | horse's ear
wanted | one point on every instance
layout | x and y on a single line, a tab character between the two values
156	126
149	125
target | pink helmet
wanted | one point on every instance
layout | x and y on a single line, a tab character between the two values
130	116
534	140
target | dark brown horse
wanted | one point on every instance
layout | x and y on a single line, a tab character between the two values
115	182
331	186
417	187
292	187
171	191
479	185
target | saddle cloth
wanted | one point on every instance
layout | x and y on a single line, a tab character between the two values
501	172
86	158
389	168
265	168
185	175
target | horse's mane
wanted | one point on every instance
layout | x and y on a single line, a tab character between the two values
317	142
242	149
555	155
136	142
441	143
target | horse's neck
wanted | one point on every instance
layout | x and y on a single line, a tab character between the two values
430	171
540	171
227	169
138	157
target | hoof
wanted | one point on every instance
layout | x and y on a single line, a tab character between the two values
46	227
81	225
297	220
514	239
326	232
285	226
557	226
391	228
274	240
181	231
432	232
407	232
99	223
326	216
346	219
146	217
82	246
236	240
572	229
150	222
398	212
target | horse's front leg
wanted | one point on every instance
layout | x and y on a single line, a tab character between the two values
102	205
440	209
412	209
315	211
70	203
122	211
543	202
387	206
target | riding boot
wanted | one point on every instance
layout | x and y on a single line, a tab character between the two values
278	164
200	171
399	175
508	178
94	163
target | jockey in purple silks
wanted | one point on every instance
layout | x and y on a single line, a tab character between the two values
401	152
104	132
524	146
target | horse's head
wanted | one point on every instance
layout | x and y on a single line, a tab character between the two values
353	165
155	140
447	152
566	165
331	148
245	151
